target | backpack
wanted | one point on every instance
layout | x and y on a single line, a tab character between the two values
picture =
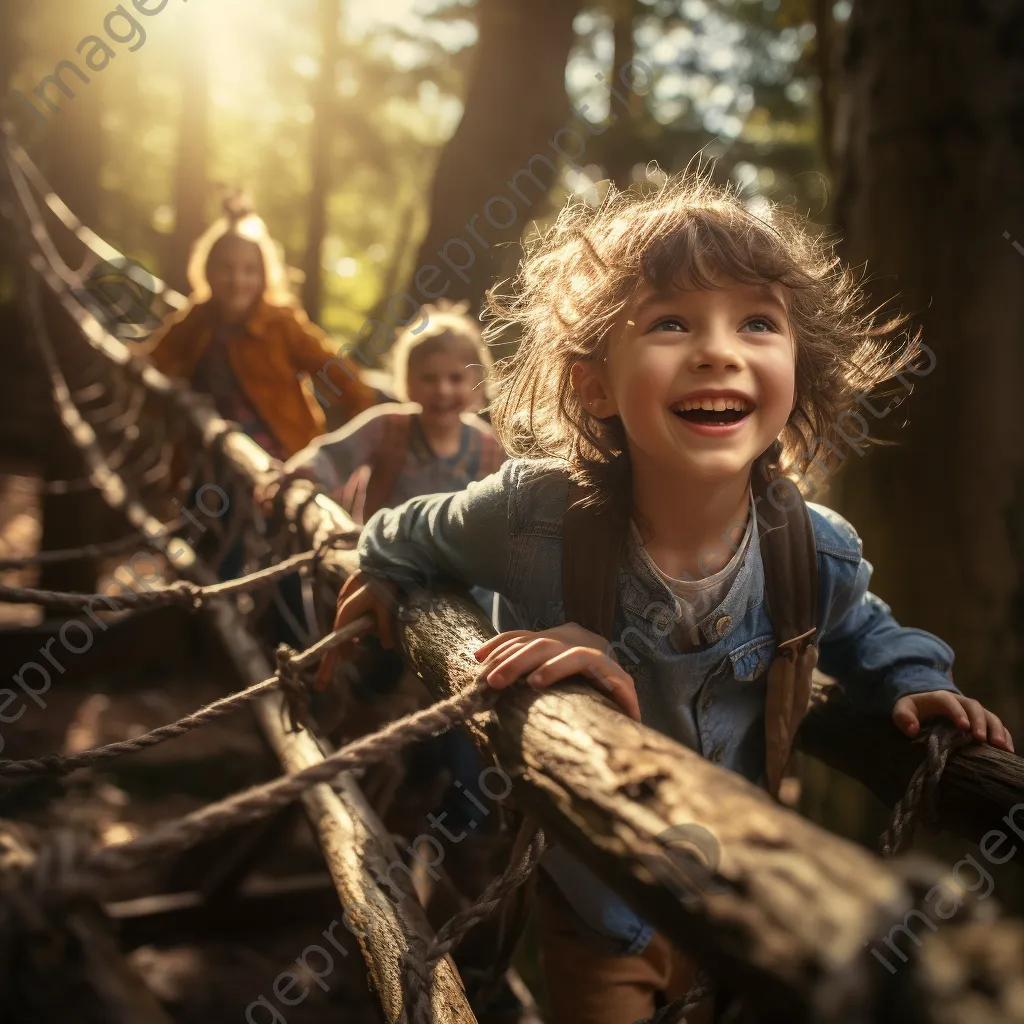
593	543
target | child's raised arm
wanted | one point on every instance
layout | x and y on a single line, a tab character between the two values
331	459
309	350
464	536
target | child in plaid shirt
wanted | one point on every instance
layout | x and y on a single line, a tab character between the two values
429	444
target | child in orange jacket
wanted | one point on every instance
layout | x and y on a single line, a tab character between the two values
243	342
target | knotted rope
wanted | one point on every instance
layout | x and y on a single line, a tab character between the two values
180	592
110	547
287	679
418	963
919	800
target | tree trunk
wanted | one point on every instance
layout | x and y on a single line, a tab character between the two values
824	47
621	151
320	157
190	183
931	156
503	156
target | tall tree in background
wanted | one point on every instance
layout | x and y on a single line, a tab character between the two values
320	156
190	171
930	135
515	103
621	149
72	149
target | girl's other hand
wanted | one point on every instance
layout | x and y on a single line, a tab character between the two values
361	595
963	712
555	654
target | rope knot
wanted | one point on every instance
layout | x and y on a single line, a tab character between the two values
340	541
294	688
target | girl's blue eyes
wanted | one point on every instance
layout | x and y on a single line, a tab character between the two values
768	325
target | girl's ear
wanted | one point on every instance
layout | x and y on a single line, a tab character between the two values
588	381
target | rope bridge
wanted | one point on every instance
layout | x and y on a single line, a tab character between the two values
781	920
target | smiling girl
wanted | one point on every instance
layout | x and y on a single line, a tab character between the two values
243	342
432	442
678	353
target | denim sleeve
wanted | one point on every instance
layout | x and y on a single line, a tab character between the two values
464	536
873	657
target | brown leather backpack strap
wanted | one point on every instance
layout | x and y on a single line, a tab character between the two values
592	542
387	463
790	559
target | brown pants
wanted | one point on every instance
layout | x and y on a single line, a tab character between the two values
587	986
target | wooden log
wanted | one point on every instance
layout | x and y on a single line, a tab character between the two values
260	905
781	910
982	788
356	847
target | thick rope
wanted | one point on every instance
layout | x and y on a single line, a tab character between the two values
56	764
919	800
676	1011
110	547
259	801
418	965
180	592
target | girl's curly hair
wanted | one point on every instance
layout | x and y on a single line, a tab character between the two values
576	280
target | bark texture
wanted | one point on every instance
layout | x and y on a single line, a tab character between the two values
979	789
930	139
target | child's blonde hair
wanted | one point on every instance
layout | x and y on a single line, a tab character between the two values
240	221
577	279
444	326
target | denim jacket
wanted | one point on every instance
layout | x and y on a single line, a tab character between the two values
504	533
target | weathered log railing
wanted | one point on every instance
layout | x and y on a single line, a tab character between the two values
785	913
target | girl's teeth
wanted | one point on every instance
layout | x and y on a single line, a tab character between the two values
713	404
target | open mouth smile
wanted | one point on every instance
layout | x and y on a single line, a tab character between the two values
713	414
